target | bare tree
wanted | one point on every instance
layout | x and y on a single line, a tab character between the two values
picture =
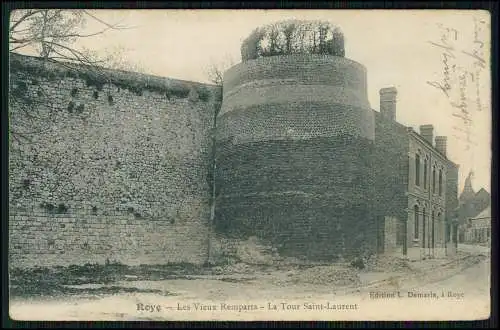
216	70
215	74
53	32
116	58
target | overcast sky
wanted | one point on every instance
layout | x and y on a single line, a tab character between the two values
394	46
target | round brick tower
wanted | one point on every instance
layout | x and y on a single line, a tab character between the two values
294	142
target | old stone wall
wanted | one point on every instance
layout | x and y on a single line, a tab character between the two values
391	231
100	157
40	239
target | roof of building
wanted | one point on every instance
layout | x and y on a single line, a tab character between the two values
419	136
485	214
483	193
482	220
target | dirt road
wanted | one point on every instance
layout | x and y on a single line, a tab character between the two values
461	296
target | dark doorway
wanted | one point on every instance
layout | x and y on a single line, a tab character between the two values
432	230
424	225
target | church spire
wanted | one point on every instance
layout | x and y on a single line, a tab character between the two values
468	191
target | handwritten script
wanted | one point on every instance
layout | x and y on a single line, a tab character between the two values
463	62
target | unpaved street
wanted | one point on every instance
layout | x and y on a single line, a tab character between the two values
475	281
264	297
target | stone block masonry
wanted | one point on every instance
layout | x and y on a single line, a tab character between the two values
117	168
294	145
40	239
391	231
308	198
391	168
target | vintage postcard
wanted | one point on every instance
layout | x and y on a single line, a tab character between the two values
249	165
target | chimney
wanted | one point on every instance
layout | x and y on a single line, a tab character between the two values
388	102
441	144
427	132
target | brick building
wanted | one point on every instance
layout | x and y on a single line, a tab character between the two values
415	205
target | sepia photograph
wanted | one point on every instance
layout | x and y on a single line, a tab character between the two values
249	165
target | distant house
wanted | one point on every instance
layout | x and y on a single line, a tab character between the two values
471	206
478	228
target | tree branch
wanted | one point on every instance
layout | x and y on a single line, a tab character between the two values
23	18
110	26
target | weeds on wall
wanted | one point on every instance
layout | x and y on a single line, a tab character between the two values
71	106
26	183
80	108
61	208
51	208
20	90
136	213
203	93
94	82
98	77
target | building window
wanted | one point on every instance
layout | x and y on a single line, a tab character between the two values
425	173
417	170
417	225
423	227
434	180
440	182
